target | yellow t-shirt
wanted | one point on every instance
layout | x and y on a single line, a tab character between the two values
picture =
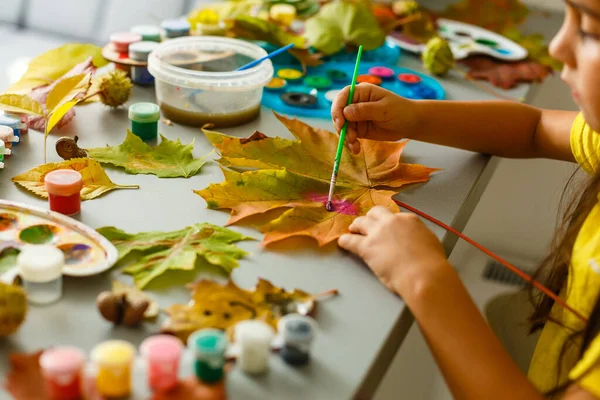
580	292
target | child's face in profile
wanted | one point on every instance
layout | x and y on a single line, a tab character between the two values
577	45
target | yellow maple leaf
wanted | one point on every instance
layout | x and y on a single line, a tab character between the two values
95	180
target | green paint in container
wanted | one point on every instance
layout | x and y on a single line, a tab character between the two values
144	120
149	33
208	346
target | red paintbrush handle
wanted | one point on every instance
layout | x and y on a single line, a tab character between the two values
502	261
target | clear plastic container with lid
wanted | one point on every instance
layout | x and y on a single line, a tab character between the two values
196	82
40	268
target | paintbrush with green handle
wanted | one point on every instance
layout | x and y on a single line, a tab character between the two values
340	148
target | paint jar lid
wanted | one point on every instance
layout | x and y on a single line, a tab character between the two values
124	38
177	26
147	32
6	133
62	360
208	343
163	348
297	328
11	120
63	182
40	263
144	112
115	353
139	51
254	332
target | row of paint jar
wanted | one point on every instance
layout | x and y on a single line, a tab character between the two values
109	372
11	127
142	40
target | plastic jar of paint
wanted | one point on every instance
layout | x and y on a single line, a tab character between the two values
210	90
62	369
40	268
113	360
139	52
144	120
122	40
254	340
2	151
162	354
64	191
149	33
298	332
208	347
174	28
8	137
14	122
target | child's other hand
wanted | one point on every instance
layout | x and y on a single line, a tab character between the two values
375	113
399	248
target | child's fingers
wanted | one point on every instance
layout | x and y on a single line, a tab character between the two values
378	213
352	243
359	112
360	225
337	108
352	139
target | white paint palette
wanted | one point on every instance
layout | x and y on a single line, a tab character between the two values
86	251
466	40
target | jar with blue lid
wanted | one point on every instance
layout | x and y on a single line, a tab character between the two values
174	28
139	52
14	122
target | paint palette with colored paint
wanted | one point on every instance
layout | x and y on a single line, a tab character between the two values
86	251
311	95
465	40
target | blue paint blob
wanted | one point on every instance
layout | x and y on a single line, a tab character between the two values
503	51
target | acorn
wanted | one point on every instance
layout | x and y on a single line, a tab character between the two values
119	309
13	308
67	148
437	56
114	88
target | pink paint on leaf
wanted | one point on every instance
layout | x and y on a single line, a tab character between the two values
340	206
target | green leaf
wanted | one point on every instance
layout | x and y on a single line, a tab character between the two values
53	64
535	46
170	159
176	250
342	23
252	28
20	103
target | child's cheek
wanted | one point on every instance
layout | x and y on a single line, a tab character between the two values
589	85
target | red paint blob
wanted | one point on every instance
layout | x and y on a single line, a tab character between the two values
339	206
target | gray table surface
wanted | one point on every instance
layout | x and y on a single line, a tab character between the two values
360	330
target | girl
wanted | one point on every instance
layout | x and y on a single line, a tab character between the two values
410	260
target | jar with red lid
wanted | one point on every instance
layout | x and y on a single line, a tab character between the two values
64	191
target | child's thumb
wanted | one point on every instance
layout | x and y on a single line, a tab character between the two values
359	112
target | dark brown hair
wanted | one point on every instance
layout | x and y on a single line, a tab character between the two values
553	271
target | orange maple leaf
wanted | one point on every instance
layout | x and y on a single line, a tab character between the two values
293	175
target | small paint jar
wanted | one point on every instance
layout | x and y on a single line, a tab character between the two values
62	370
8	137
254	340
208	347
40	268
64	191
162	354
122	40
144	120
149	33
113	360
2	150
139	52
14	122
174	28
298	332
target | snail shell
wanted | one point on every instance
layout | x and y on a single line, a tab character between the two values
67	148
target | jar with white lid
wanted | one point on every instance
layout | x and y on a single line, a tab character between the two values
40	268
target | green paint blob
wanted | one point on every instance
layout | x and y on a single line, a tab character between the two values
486	42
38	234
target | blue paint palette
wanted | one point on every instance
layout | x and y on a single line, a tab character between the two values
322	82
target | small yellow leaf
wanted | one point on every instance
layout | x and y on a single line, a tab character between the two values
66	90
58	113
95	180
48	67
20	103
